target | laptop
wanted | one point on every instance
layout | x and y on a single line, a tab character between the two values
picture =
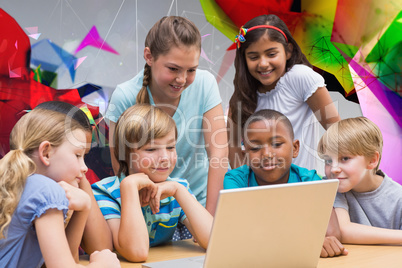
267	226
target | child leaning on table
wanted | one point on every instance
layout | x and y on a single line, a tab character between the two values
39	180
97	235
143	205
270	147
368	203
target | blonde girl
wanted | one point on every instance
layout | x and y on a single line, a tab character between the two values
273	73
39	180
171	81
144	203
97	235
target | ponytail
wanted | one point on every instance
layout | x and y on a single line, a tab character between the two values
25	138
143	96
15	167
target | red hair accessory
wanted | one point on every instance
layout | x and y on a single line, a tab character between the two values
242	32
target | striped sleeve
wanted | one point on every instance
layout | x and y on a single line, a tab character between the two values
186	184
107	195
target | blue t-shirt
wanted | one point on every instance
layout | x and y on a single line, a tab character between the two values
244	176
161	226
21	248
201	96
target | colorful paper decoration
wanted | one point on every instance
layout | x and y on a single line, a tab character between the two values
52	58
341	37
94	39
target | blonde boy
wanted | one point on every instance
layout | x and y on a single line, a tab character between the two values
369	203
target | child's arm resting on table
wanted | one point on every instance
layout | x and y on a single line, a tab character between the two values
97	235
130	233
55	248
355	233
198	221
332	245
80	203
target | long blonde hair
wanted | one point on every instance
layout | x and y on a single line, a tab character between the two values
136	127
167	32
30	131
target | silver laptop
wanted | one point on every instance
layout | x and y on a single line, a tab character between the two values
267	226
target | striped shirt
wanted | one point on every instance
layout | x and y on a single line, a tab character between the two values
161	226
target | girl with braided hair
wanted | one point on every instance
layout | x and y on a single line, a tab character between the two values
170	80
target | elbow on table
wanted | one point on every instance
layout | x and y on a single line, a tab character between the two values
136	254
203	242
203	245
348	236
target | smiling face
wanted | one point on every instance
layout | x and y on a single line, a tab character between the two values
351	171
266	62
173	72
156	159
66	162
270	150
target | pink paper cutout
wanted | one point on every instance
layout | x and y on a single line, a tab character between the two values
32	30
94	39
377	107
35	36
16	73
227	62
78	62
373	109
203	54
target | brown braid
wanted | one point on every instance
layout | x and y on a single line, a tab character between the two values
143	96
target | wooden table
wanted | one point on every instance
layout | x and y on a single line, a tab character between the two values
359	255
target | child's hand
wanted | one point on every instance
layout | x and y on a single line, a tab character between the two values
146	188
163	190
105	258
84	183
78	200
332	247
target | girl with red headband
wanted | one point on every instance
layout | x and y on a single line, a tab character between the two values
273	73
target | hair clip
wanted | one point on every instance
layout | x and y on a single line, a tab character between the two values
240	38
